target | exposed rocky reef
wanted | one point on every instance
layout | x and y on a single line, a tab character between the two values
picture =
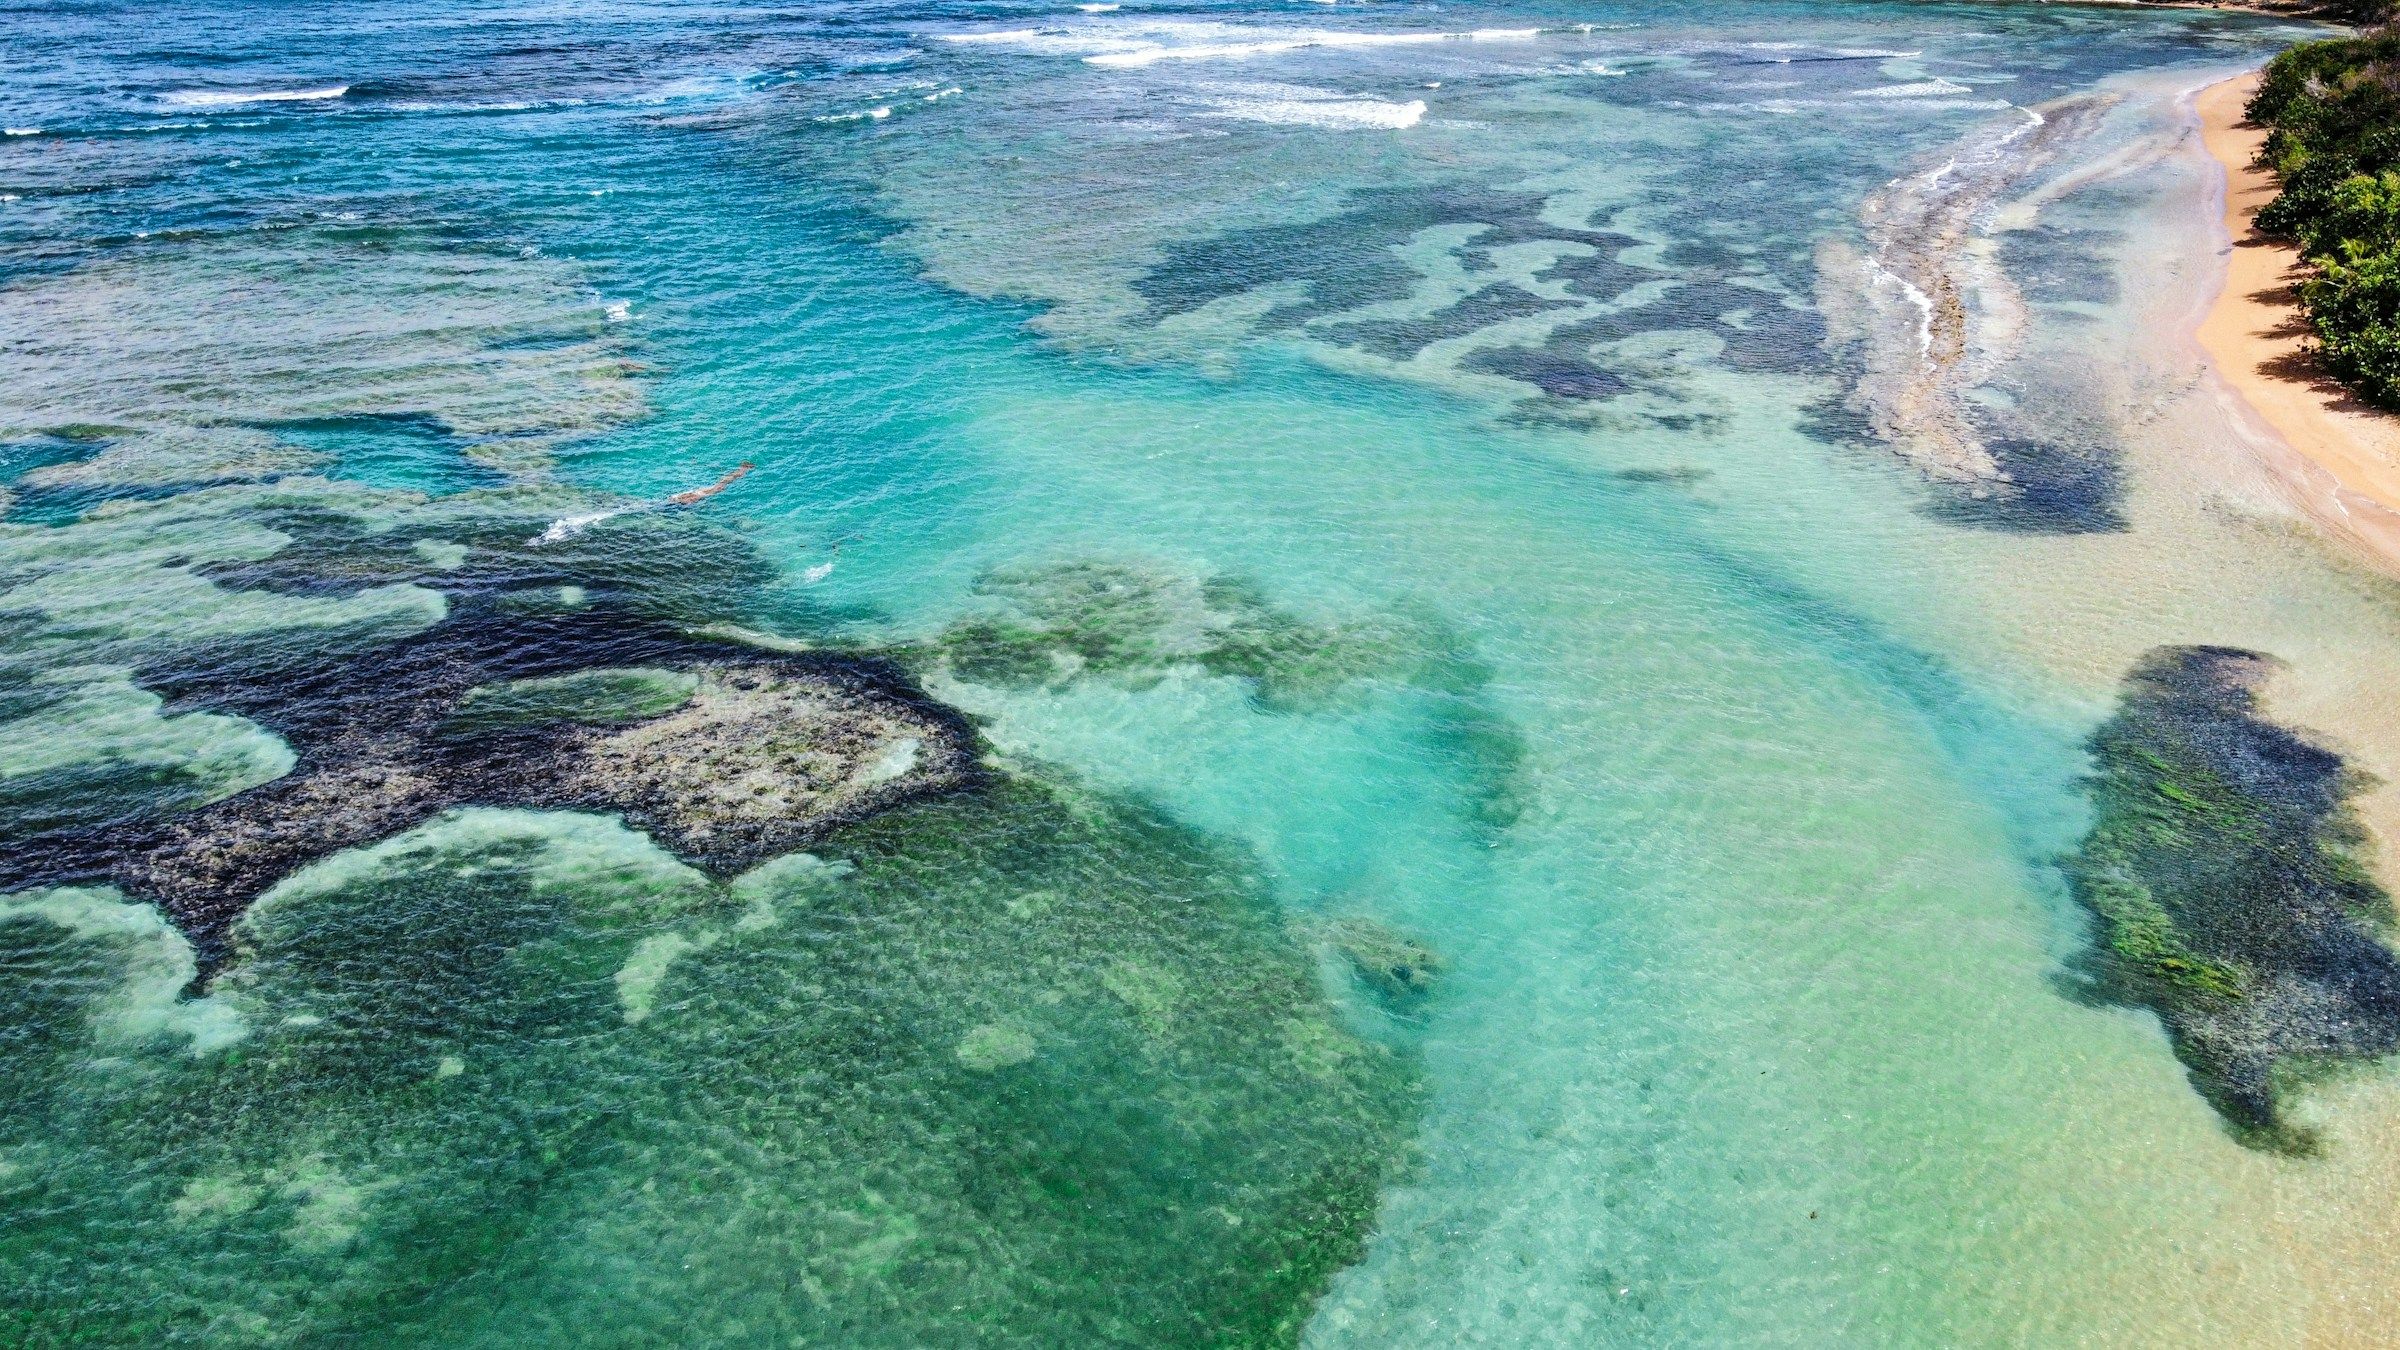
726	753
2226	875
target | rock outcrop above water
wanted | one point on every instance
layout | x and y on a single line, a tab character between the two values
757	753
2226	876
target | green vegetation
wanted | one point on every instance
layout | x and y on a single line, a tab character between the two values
2333	113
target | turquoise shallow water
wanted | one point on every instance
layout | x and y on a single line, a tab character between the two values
1418	445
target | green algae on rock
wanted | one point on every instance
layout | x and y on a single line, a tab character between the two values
606	695
889	1098
2226	876
1047	625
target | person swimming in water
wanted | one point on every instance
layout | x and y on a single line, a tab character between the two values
568	527
691	495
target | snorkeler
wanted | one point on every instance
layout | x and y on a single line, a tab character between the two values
568	527
690	495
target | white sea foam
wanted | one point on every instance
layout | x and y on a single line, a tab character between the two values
939	94
567	527
232	98
1099	9
1340	114
504	106
1920	89
1082	41
1143	43
21	131
1297	40
1829	53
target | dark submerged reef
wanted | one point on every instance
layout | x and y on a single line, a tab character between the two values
2069	485
1344	261
2225	873
1347	261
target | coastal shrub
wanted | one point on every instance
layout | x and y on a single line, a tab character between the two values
2354	300
2309	182
2307	64
2332	110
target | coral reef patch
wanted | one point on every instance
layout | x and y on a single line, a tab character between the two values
214	334
2227	878
1048	623
1345	261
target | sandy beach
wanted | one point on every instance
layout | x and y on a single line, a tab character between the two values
2345	466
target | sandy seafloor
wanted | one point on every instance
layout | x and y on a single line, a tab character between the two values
1690	479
